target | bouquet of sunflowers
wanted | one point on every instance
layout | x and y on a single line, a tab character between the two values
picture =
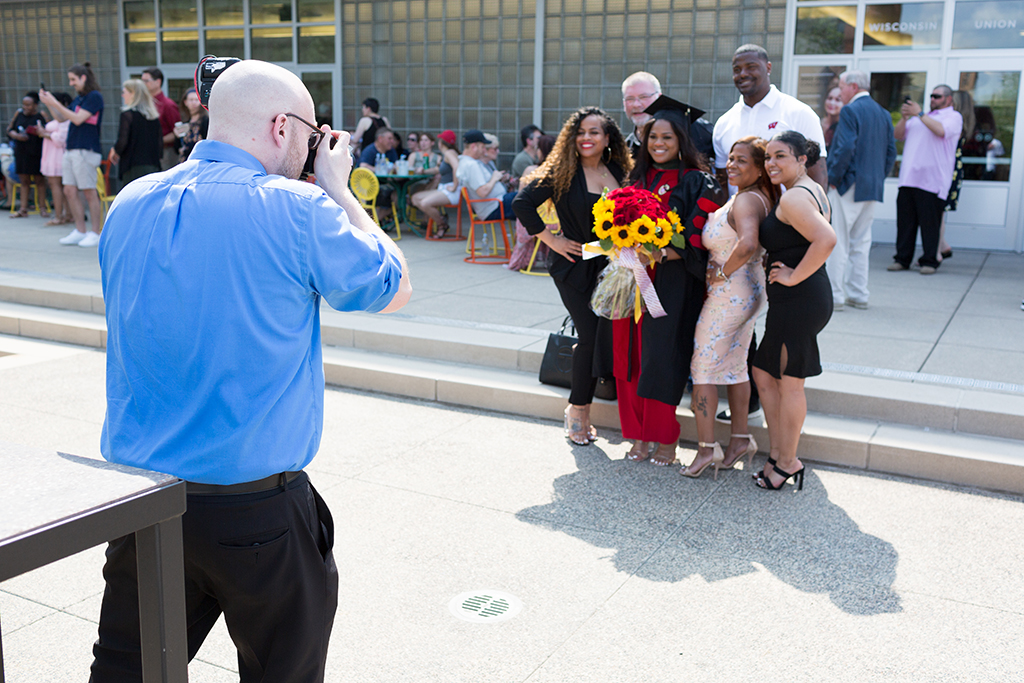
627	220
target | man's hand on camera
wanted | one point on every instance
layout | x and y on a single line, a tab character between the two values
333	163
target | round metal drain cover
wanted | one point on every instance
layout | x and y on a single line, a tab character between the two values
485	606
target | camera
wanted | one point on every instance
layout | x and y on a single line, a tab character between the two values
207	71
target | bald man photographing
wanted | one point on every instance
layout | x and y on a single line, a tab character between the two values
213	272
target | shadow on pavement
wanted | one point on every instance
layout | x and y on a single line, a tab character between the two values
720	530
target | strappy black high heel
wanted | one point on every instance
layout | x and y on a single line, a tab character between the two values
760	475
798	479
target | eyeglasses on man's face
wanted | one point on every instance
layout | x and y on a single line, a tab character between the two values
937	96
638	98
316	137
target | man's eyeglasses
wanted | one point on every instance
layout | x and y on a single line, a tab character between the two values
638	98
936	96
316	137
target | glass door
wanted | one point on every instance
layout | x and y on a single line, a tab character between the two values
988	213
892	82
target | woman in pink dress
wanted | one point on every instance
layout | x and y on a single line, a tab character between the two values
54	135
735	297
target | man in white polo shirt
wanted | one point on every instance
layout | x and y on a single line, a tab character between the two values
763	111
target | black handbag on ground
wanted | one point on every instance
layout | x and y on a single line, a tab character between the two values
556	366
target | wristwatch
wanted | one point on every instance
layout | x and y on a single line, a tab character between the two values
721	273
920	114
664	254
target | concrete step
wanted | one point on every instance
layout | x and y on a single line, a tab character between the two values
865	444
945	432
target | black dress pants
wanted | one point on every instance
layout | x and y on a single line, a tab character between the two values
262	559
916	207
586	322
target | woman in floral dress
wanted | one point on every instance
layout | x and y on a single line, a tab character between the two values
735	297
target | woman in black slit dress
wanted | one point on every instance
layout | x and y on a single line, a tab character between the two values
798	238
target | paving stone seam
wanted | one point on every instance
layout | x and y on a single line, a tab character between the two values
956	310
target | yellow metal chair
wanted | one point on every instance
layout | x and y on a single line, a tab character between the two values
101	189
33	192
550	217
366	187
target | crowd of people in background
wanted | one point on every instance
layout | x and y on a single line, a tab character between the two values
57	158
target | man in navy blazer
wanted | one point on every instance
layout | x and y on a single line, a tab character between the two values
862	154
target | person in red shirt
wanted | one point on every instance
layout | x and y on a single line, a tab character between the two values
169	115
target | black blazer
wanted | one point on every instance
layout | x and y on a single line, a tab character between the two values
574	210
139	142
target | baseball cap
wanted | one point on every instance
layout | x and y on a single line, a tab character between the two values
448	136
473	135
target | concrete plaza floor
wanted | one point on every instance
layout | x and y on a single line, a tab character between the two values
626	571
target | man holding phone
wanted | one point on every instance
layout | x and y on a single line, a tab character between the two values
213	273
926	171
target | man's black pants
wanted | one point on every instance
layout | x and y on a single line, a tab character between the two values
263	559
916	207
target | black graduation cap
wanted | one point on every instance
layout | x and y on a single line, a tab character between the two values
680	113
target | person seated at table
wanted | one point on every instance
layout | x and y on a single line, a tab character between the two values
412	142
491	153
384	143
447	190
425	161
480	181
530	156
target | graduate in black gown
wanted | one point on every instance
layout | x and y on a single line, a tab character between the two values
652	359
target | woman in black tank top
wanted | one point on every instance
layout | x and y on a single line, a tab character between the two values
798	238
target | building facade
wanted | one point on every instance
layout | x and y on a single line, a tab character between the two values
499	65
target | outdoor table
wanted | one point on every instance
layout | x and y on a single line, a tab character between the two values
53	505
401	184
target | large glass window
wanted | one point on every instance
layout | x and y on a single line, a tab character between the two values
316	44
140	48
986	151
138	14
909	26
179	46
988	24
814	83
222	12
272	44
825	30
319	86
228	42
891	90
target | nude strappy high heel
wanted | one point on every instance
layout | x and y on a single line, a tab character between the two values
748	453
717	456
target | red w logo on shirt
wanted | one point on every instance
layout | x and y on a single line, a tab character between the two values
772	125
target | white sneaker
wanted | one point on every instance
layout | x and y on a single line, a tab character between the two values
74	237
91	239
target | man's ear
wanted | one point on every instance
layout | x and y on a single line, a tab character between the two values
278	134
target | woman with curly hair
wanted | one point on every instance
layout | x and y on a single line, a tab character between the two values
735	297
652	357
589	157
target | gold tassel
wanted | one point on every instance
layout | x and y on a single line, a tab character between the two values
636	306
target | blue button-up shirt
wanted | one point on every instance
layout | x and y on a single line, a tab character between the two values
212	277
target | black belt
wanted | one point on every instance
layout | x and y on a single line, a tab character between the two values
265	484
